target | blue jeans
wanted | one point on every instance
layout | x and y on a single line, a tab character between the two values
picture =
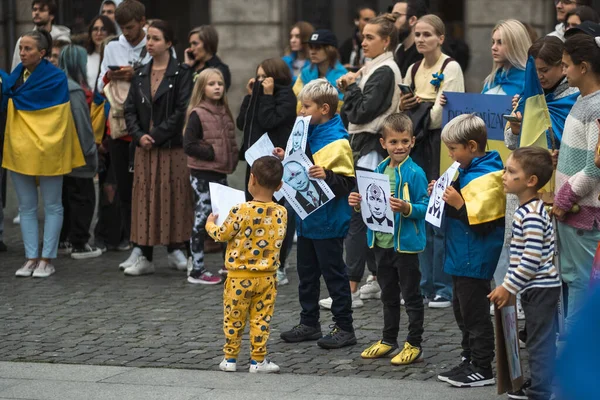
434	281
576	254
27	194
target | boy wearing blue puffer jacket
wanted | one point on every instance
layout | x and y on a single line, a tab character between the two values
321	234
397	254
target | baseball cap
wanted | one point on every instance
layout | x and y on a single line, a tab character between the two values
323	37
588	27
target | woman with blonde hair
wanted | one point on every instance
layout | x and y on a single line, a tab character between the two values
510	43
212	154
296	56
429	78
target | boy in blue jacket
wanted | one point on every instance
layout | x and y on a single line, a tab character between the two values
397	254
474	212
321	234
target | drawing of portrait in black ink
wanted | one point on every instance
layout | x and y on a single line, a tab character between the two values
297	137
309	194
378	205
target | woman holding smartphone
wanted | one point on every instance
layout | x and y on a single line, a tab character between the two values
202	53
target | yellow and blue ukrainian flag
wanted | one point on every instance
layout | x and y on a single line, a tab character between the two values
41	138
99	113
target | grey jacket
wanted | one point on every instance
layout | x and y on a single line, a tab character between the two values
83	124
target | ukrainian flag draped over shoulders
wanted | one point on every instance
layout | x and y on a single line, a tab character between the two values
536	118
41	138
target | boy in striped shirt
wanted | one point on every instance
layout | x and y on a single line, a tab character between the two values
532	272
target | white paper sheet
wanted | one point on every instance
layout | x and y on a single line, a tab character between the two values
375	206
223	199
306	195
435	208
298	137
262	147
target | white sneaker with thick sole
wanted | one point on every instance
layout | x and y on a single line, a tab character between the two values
371	289
264	367
135	254
282	278
44	269
492	311
17	219
356	301
189	266
27	269
178	260
228	365
141	267
520	312
85	252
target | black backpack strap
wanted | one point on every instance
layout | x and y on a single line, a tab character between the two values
413	73
446	62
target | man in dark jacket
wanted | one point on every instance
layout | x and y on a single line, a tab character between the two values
351	52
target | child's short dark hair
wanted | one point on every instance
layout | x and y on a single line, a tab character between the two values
463	129
268	171
397	122
535	161
321	92
130	10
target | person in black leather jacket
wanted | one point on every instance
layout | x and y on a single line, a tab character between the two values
269	107
154	113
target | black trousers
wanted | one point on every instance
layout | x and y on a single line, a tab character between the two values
109	226
358	252
120	157
539	305
398	273
324	257
472	313
79	200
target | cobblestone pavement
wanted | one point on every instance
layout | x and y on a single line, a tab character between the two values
90	313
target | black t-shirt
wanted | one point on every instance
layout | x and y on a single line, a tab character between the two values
406	57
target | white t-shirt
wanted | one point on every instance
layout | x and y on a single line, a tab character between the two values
93	68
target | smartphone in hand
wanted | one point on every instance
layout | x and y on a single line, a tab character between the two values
406	89
511	118
114	67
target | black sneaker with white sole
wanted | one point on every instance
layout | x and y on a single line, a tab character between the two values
472	376
520	394
444	376
84	252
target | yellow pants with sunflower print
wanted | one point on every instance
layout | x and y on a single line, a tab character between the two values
253	299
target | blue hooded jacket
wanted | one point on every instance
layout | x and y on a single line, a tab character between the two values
311	72
411	186
469	253
328	143
289	60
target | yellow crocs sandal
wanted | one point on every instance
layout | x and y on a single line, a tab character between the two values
408	355
378	350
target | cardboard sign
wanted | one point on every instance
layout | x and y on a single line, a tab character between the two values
509	372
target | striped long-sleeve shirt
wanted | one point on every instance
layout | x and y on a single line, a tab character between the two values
531	250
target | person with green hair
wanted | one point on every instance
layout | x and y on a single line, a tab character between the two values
79	195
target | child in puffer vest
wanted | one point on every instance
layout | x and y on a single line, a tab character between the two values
209	142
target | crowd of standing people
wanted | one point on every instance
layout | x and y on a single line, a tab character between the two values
156	130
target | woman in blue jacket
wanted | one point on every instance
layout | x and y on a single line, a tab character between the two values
296	57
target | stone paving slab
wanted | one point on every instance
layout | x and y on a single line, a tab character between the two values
160	383
90	313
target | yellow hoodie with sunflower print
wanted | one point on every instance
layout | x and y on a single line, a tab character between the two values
254	232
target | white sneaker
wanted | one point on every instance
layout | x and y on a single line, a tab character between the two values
44	269
27	269
492	311
282	278
264	367
371	289
326	303
17	219
135	254
141	267
189	266
520	312
356	301
228	365
177	260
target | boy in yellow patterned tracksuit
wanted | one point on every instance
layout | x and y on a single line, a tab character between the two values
254	231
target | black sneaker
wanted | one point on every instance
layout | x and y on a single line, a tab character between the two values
472	376
523	338
444	376
336	339
301	333
3	247
101	245
64	248
84	252
520	394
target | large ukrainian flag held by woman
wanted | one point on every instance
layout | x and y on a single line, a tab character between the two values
41	139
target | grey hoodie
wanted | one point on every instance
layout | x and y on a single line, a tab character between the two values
58	32
85	133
